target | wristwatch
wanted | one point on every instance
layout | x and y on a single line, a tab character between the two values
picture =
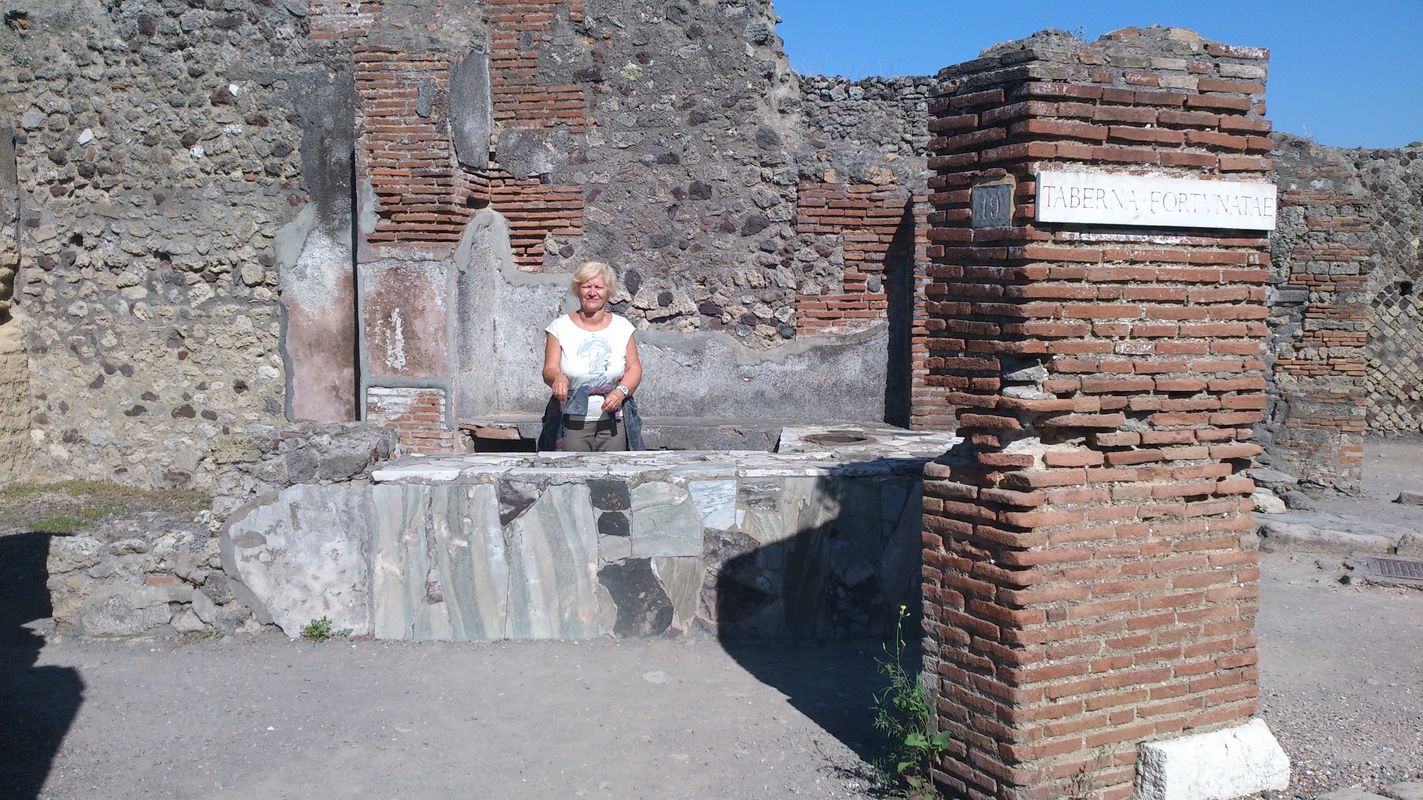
626	392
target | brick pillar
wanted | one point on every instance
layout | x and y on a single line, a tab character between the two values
1090	565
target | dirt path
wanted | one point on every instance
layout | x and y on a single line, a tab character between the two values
1341	686
276	719
1341	682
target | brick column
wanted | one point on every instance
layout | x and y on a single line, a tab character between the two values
1090	566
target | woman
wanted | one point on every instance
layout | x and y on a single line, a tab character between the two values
591	364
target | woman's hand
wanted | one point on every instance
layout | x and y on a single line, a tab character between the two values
612	401
560	388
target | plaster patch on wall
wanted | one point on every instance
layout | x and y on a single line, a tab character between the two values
311	262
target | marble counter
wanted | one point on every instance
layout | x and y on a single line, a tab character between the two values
818	541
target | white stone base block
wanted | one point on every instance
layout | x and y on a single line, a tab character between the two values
1234	762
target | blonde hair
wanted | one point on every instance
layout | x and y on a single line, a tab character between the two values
591	270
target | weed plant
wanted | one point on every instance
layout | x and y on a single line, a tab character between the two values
904	712
323	629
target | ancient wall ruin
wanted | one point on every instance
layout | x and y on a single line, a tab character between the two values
216	218
159	151
231	216
1346	321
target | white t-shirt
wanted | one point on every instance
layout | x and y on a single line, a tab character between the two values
595	359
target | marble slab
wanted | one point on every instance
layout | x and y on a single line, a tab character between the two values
552	554
304	555
664	521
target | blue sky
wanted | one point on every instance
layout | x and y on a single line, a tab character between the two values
1346	73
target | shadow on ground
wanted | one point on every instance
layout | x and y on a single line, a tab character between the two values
37	703
814	615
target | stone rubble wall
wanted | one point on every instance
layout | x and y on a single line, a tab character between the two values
153	575
161	574
158	150
265	459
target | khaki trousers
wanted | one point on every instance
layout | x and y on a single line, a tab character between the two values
594	436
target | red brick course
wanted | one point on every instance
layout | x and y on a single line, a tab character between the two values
1090	575
424	196
417	415
875	225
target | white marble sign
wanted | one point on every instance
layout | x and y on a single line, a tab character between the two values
1099	198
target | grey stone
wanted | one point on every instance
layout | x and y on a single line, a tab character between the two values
1031	373
218	589
1410	498
304	555
664	521
530	152
1266	502
515	497
682	580
126	613
613	548
1278	535
1410	545
1405	791
186	621
552	553
439	568
425	98
129	546
471	115
70	553
1272	479
613	523
610	495
644	609
1300	501
1351	793
715	502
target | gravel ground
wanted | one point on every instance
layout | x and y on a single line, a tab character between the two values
1341	675
1341	664
1341	686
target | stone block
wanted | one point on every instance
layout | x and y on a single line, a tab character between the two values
1276	535
126	612
643	607
715	502
1410	498
552	554
1232	762
471	115
70	553
304	555
438	567
664	521
1405	791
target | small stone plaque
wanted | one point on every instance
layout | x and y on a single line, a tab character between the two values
991	206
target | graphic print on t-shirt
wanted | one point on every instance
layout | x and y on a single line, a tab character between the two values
599	355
